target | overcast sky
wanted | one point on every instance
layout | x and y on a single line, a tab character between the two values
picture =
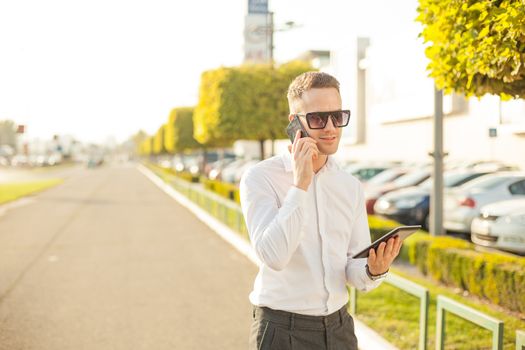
97	68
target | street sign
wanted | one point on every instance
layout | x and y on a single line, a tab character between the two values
21	129
257	6
257	41
493	132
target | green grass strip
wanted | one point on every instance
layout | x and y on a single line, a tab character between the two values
12	191
394	314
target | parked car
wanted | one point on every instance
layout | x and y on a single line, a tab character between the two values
483	165
501	225
385	177
228	173
463	204
412	178
20	160
218	165
184	162
242	169
215	168
211	157
365	172
4	161
411	205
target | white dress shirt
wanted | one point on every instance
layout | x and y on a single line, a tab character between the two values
305	239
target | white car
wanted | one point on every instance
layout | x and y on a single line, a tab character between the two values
229	171
463	204
501	225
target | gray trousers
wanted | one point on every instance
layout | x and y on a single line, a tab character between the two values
282	330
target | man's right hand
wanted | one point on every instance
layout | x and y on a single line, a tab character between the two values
304	150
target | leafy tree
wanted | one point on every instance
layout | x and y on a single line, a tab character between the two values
246	102
179	131
8	133
138	140
212	123
478	46
146	148
158	141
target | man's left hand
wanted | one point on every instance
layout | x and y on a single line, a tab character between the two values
379	262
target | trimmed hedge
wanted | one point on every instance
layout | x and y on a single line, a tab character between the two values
497	278
184	175
224	189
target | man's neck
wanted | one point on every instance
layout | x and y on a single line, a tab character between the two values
320	162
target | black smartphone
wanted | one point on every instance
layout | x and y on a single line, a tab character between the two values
295	125
401	231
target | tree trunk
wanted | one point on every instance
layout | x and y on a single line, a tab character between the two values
261	142
203	164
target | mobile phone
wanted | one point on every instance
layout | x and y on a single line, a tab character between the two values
295	125
401	231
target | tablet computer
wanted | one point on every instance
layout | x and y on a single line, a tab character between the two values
401	231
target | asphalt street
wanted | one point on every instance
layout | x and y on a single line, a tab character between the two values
107	260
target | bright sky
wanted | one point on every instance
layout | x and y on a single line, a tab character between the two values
97	68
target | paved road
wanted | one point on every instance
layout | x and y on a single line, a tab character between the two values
108	261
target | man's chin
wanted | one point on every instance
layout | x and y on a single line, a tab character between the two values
328	151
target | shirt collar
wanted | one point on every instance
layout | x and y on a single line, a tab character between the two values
286	156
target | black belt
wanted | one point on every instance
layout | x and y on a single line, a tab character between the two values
294	320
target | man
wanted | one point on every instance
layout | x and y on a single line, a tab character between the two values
306	218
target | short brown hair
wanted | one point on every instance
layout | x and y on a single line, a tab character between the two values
307	81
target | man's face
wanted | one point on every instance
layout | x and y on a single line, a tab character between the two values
321	100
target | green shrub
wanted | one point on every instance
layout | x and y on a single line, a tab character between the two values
184	175
224	189
495	277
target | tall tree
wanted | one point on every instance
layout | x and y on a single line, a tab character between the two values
246	102
138	140
179	131
477	46
8	133
158	141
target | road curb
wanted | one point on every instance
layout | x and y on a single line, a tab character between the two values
368	338
17	203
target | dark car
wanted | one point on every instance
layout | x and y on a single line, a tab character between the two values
411	205
412	178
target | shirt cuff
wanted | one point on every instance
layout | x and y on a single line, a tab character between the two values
296	196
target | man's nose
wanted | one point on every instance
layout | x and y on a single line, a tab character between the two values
330	123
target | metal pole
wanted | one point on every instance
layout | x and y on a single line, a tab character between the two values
362	44
270	26
436	204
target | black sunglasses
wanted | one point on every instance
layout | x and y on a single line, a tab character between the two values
318	120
